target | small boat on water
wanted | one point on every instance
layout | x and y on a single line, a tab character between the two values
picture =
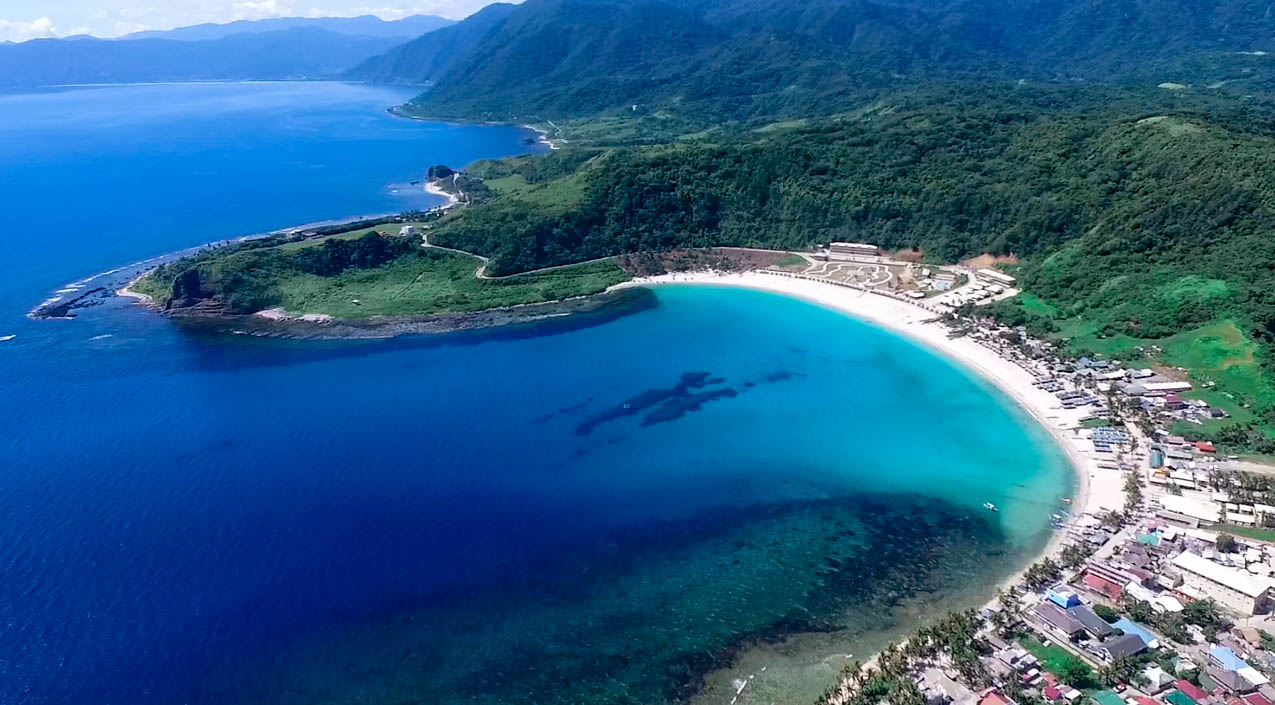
6	338
1066	500
990	507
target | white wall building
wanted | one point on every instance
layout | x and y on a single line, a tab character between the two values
854	252
1235	590
996	277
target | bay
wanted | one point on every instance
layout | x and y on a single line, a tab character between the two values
474	517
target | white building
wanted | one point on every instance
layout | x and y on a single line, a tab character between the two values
996	277
1199	508
1166	386
854	252
1235	590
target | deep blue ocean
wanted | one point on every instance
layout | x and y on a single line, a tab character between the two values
472	518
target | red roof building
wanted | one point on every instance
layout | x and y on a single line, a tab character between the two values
994	697
1192	691
1101	585
1205	447
1255	699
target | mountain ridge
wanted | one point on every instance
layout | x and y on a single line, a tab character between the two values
425	59
741	58
302	53
362	26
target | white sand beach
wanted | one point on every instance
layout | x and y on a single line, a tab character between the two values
1097	489
431	187
127	290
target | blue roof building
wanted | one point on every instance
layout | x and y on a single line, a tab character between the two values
1062	597
1225	658
1128	627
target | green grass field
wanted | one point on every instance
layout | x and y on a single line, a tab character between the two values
1248	532
391	229
553	196
1054	658
792	261
435	283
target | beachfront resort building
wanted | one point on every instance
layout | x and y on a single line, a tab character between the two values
853	252
993	276
1234	589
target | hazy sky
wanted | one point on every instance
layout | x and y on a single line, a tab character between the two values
21	20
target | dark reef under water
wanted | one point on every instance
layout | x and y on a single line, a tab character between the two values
641	615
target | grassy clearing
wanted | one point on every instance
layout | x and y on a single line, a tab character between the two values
435	282
1173	125
1037	306
1248	532
1054	658
390	230
792	261
508	184
783	125
553	196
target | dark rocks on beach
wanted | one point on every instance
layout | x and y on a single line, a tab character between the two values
64	309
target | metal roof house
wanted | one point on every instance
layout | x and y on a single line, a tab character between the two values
1095	625
1123	645
1058	620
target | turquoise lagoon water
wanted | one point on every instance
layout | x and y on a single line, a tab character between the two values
467	518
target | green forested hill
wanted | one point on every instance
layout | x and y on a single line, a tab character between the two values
731	59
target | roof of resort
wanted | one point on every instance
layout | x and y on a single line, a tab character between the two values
1241	581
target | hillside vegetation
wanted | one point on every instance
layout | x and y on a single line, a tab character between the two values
713	61
363	273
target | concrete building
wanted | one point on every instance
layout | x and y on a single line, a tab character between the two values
1235	590
996	277
853	252
1166	386
1199	508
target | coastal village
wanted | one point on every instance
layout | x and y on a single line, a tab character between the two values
1159	585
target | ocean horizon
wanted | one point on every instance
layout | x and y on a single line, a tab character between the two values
608	510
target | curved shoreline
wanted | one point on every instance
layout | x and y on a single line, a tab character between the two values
1096	489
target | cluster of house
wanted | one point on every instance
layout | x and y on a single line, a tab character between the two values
1064	616
1160	396
1193	494
1069	396
1167	567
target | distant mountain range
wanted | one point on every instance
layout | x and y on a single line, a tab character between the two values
285	48
426	59
361	26
742	57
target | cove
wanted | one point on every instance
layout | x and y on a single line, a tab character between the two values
473	517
